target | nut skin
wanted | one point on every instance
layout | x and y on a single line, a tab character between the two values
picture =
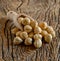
27	28
48	38
14	30
28	41
50	30
33	24
17	40
26	21
31	34
37	30
20	20
38	43
44	33
23	35
43	25
37	36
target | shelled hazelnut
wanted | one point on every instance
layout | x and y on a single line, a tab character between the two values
37	29
27	28
14	30
38	43
43	25
48	38
37	36
28	41
17	40
26	21
23	35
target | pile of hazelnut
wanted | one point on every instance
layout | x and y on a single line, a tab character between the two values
32	32
29	31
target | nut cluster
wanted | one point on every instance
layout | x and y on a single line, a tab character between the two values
33	32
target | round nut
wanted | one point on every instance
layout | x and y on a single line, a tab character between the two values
37	29
43	25
17	40
48	38
50	30
33	24
31	34
20	20
27	28
28	41
26	21
24	35
14	30
38	43
18	33
43	32
37	36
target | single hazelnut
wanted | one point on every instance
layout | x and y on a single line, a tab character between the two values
37	29
38	43
17	40
28	41
20	20
26	21
31	34
24	35
37	36
44	32
14	30
27	28
18	33
48	38
50	30
43	25
33	24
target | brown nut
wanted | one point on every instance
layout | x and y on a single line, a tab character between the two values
37	29
24	35
43	25
44	32
26	21
37	36
17	40
18	33
14	30
50	30
20	20
27	28
28	41
38	43
48	38
31	34
33	24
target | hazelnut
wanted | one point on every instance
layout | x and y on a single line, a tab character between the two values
50	30
43	25
43	32
34	24
31	34
28	41
18	33
24	35
14	30
37	36
37	29
20	20
27	28
38	43
26	21
48	38
17	40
